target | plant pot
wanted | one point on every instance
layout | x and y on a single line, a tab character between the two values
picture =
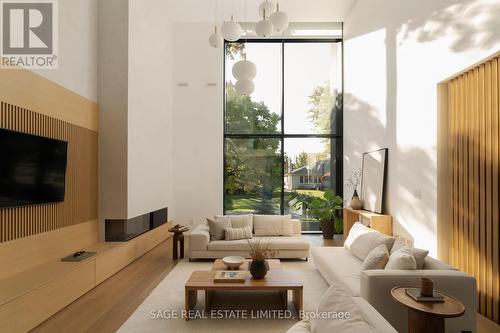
259	268
356	203
328	228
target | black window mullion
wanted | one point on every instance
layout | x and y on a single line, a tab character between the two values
335	139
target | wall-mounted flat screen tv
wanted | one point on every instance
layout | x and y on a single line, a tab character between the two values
32	169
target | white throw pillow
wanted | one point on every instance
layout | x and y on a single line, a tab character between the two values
361	240
216	227
402	259
238	233
336	301
377	258
272	225
239	221
419	254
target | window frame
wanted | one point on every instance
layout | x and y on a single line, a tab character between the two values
282	136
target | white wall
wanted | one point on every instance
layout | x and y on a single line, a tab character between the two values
149	107
396	51
113	109
198	125
77	48
135	100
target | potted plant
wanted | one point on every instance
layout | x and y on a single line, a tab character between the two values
327	210
259	252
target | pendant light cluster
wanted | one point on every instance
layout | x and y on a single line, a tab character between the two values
273	21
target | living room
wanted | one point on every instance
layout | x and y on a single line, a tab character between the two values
250	165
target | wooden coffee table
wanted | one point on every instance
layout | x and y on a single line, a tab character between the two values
427	317
277	279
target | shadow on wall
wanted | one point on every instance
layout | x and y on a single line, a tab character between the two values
470	24
401	181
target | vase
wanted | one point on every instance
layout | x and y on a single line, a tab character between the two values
259	268
356	202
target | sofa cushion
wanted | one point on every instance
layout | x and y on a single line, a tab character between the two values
419	254
338	265
239	221
275	243
238	233
376	259
337	300
402	259
216	227
303	326
272	225
361	240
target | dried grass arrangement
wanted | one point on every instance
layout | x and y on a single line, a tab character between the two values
260	249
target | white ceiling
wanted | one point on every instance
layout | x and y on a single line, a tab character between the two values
297	10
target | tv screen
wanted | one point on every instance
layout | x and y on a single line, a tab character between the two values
32	169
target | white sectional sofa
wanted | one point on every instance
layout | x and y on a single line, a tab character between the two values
201	247
339	266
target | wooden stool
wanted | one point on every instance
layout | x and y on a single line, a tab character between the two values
178	241
427	317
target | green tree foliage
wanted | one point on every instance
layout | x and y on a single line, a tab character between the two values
252	165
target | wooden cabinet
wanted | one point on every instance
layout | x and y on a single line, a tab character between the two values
379	222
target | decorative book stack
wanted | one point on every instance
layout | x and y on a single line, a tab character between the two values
230	276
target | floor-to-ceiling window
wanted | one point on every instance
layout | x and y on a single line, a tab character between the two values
283	142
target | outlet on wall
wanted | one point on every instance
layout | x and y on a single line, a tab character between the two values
417	194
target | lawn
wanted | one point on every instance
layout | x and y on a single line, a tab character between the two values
250	202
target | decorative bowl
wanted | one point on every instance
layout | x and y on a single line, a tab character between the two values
233	262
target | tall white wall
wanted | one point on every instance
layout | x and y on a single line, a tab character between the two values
396	52
149	106
135	100
198	124
77	48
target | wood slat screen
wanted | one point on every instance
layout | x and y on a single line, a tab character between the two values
80	203
473	147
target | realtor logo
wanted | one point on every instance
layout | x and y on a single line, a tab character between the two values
29	34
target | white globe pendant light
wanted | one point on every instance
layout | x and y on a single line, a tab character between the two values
215	40
244	86
244	69
231	31
264	27
268	7
279	20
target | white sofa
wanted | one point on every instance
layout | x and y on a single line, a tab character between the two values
366	314
201	247
338	265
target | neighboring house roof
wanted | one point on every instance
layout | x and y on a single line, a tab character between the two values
320	168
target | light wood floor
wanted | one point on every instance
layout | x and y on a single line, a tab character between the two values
105	308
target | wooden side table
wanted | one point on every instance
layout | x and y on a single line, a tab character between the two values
427	317
178	241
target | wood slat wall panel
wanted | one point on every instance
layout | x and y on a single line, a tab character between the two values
474	175
80	203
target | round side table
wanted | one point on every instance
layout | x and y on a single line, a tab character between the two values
427	317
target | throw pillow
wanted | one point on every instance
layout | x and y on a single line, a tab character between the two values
361	240
336	300
402	259
419	254
216	227
272	225
238	233
239	221
377	258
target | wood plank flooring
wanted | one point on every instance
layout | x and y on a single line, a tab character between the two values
105	308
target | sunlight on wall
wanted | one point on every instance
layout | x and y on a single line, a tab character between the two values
396	52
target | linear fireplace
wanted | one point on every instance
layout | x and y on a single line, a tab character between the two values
122	230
